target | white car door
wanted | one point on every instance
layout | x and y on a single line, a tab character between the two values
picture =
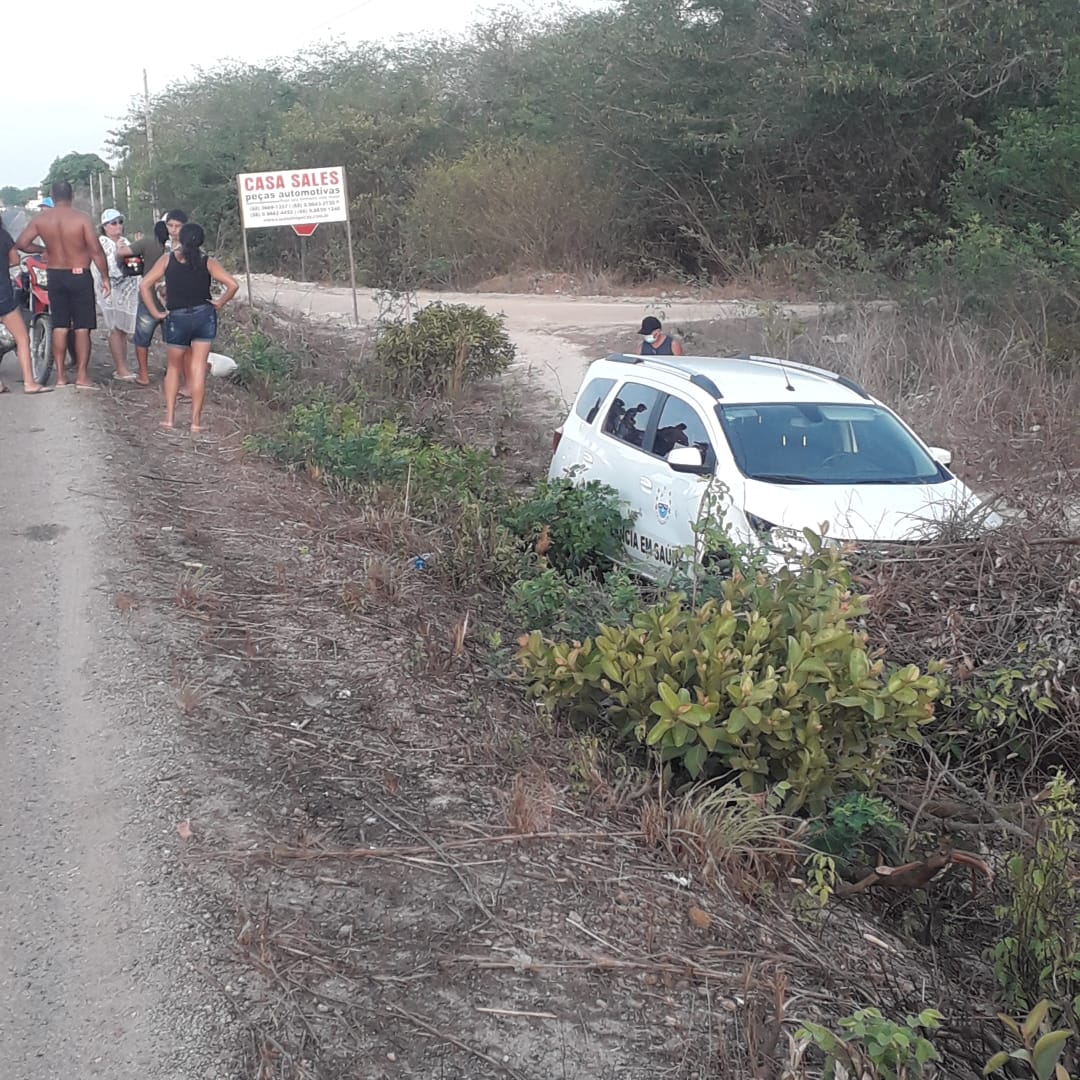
677	496
621	461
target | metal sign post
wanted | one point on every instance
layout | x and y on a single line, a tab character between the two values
352	261
301	198
247	269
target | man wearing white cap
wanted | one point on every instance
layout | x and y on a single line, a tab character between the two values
118	307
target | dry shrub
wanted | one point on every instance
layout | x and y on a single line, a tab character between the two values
510	205
723	833
993	397
196	591
443	645
1003	612
531	802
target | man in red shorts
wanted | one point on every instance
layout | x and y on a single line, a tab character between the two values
70	245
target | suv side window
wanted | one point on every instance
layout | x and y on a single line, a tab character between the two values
631	413
681	425
591	398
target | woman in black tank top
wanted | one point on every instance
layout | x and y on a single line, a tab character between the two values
191	322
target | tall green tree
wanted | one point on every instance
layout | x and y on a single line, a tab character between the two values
76	169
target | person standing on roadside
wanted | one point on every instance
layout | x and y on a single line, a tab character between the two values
118	308
11	317
149	249
191	318
70	245
655	342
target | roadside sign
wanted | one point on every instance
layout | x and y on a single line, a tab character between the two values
293	197
300	198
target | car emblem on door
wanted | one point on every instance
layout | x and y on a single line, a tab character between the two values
663	506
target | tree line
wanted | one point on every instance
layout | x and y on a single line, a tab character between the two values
703	138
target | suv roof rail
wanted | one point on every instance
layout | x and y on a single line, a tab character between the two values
808	369
695	378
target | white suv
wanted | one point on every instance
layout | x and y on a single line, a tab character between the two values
787	446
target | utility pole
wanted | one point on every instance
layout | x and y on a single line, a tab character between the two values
149	144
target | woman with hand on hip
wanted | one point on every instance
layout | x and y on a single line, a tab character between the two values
191	320
118	308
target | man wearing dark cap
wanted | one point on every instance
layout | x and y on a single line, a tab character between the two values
654	342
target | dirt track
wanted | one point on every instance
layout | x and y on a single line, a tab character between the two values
548	330
93	951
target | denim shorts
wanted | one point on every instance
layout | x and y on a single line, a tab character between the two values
145	325
186	325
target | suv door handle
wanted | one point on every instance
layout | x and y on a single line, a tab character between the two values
646	484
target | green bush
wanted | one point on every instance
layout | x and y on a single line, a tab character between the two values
441	349
331	439
576	527
1004	720
860	829
774	684
874	1047
1040	954
260	361
573	606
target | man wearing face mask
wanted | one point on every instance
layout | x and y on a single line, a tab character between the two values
654	342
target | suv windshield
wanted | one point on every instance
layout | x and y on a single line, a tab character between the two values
825	444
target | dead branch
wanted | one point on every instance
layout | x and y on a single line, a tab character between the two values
919	874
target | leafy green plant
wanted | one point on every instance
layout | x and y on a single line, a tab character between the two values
1041	1053
874	1048
573	605
821	877
859	828
773	684
1001	714
1040	956
441	349
478	549
260	360
574	526
331	440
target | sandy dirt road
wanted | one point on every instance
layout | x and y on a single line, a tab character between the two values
547	330
91	982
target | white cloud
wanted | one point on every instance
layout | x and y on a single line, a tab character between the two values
106	72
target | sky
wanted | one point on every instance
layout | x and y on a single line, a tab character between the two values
102	59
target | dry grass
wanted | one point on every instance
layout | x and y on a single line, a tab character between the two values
1008	414
724	834
530	806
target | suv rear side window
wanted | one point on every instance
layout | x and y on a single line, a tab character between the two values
591	398
631	413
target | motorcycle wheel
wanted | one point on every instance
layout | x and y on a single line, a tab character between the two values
41	357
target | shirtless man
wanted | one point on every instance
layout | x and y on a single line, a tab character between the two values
71	246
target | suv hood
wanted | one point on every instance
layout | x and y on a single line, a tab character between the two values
886	512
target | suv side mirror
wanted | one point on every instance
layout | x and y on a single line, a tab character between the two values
686	459
943	457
